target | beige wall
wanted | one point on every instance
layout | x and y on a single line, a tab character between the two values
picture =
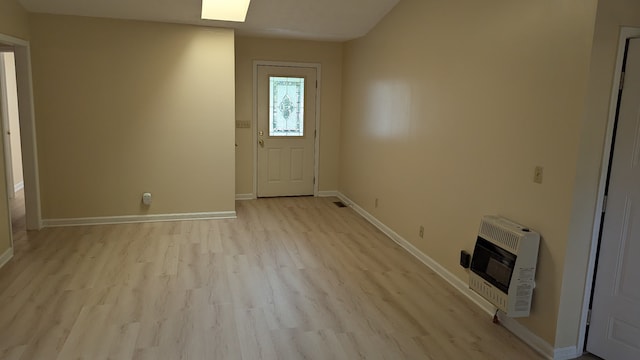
13	19
329	55
612	14
125	107
13	22
447	109
14	117
406	139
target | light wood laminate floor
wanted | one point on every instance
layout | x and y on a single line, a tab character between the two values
291	278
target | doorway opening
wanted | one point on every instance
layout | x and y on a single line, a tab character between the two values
21	52
12	142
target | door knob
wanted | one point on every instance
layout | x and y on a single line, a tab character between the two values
261	142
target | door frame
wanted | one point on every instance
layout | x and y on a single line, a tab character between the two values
22	52
625	34
316	155
6	126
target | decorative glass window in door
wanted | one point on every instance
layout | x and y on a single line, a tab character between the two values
286	106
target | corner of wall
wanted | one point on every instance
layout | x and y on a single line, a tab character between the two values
14	19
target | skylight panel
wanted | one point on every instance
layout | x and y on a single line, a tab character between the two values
225	10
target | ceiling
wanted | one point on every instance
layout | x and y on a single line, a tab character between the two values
305	19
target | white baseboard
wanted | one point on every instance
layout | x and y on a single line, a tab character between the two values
531	339
19	186
110	220
512	325
567	353
332	193
435	266
4	258
245	196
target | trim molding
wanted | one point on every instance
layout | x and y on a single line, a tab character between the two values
531	339
19	186
4	258
435	266
111	220
22	52
242	197
512	325
567	353
331	193
13	40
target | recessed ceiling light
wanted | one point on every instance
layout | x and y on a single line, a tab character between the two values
225	10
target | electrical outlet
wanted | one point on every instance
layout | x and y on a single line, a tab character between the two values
421	233
537	175
376	203
146	198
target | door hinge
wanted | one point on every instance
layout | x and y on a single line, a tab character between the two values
314	180
315	134
621	81
589	317
604	204
316	84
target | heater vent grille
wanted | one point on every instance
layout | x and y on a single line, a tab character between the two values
495	296
505	238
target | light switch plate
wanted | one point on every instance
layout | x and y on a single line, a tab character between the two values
240	124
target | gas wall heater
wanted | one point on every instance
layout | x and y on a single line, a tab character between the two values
503	265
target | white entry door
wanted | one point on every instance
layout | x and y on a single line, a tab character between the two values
286	130
614	333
